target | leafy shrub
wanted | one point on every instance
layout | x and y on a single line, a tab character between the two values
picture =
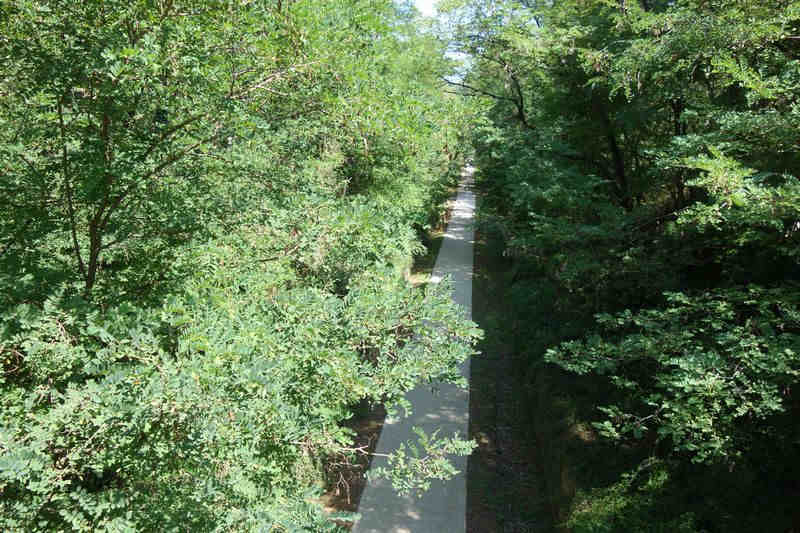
202	239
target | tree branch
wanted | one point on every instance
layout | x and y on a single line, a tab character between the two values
68	188
477	90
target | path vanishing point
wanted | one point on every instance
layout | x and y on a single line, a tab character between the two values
441	509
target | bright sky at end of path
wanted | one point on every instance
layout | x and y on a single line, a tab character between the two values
426	7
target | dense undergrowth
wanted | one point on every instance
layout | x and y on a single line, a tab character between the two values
639	162
206	212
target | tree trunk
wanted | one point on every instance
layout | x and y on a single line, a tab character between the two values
623	186
621	178
95	245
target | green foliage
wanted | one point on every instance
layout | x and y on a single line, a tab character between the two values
640	161
206	215
703	373
635	504
413	466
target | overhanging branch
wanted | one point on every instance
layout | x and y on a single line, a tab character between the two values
476	90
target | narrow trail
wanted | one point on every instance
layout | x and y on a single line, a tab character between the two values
442	509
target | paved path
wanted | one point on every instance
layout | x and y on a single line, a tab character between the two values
442	509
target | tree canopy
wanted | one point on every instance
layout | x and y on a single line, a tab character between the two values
206	212
640	159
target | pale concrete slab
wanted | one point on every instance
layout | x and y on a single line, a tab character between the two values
443	508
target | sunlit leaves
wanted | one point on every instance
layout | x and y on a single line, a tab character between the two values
244	182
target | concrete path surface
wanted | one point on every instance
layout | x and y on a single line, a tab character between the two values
442	509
